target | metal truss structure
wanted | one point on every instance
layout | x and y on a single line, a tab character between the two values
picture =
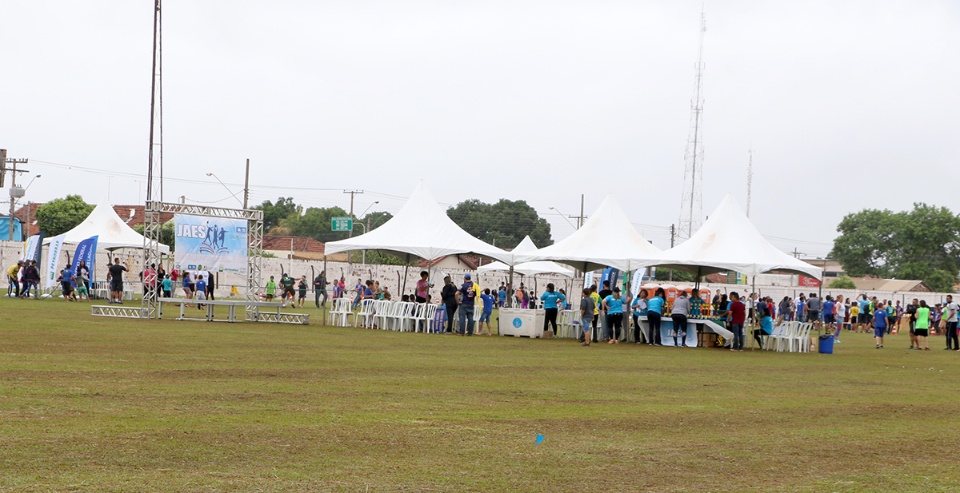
151	248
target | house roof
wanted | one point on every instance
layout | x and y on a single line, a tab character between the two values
133	215
22	214
296	244
876	284
470	261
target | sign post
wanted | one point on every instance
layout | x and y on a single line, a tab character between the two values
342	223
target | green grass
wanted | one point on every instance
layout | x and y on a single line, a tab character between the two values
93	404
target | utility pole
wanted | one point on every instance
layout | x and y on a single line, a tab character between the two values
353	194
246	186
581	219
15	193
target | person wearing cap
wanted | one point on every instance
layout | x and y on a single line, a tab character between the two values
13	275
465	299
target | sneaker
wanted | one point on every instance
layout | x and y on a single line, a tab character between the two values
838	341
947	349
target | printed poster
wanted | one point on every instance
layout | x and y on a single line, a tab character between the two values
210	244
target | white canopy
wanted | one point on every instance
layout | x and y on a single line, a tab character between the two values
421	228
728	241
607	239
527	268
104	222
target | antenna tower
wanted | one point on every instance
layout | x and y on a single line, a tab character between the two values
749	181
691	206
155	160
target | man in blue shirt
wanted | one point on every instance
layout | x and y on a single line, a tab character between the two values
502	296
465	298
551	302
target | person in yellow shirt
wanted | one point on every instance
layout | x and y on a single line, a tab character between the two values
13	279
596	309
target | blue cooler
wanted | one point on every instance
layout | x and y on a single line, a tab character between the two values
826	344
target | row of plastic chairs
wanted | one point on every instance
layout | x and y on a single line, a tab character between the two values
400	316
792	337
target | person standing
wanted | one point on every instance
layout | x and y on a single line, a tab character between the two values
188	286
587	309
596	310
115	273
465	301
211	285
654	314
879	324
66	280
950	315
785	309
738	316
912	322
200	290
320	289
423	287
813	309
639	306
488	302
167	286
839	316
448	296
83	276
271	289
359	287
502	296
551	303
13	278
679	314
613	308
829	317
604	326
922	324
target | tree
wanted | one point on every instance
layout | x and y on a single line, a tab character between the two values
920	244
61	215
315	223
166	233
503	223
275	213
842	282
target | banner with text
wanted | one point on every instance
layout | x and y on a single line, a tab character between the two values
210	244
87	252
50	271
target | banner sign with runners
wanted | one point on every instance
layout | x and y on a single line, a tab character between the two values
210	243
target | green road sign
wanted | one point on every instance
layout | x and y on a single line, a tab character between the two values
344	223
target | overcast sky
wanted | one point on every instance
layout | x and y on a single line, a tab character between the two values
846	105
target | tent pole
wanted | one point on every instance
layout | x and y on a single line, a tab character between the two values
510	290
406	265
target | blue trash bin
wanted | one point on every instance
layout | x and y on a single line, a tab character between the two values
826	344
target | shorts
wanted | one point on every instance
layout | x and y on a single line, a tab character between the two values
920	332
813	315
863	318
81	289
879	331
66	288
288	292
485	317
116	285
585	323
829	318
302	295
201	295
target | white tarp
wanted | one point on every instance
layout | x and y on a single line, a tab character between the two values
728	241
113	232
421	228
607	239
527	268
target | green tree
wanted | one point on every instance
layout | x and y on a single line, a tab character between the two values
61	215
166	233
315	223
842	282
275	213
920	244
504	223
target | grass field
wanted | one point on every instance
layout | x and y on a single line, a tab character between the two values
92	404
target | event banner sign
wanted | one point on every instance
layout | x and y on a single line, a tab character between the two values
87	252
31	250
210	243
53	256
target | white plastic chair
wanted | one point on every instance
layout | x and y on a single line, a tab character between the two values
366	314
408	316
382	309
802	338
568	325
341	312
781	334
426	318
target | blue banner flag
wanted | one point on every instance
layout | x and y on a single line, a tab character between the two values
87	252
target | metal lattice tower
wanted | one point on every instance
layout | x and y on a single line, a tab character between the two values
691	206
152	224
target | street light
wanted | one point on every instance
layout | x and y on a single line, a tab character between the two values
232	194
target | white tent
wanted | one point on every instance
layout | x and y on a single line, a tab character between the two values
527	268
113	232
607	239
421	228
728	241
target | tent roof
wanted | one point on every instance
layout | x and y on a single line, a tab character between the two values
607	239
421	228
728	241
528	268
104	222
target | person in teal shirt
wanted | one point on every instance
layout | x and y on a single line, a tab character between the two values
654	313
551	300
613	305
167	285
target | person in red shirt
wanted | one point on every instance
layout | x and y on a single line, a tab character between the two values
738	315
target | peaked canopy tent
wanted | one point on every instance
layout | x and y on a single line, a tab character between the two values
607	239
728	241
114	233
421	228
527	268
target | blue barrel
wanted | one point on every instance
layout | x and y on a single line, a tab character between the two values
826	344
